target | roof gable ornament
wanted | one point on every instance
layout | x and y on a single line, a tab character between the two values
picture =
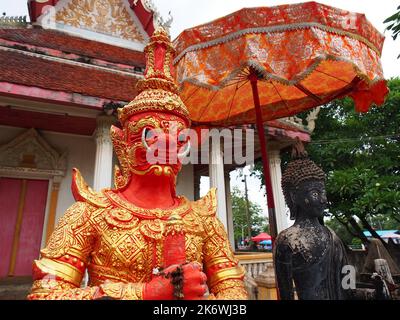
121	23
158	20
31	153
110	17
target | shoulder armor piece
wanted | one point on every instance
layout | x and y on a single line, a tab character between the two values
207	205
82	192
69	232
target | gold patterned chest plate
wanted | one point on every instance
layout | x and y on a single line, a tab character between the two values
130	243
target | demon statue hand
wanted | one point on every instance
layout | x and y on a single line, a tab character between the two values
139	240
307	253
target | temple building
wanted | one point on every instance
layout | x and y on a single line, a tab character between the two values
63	74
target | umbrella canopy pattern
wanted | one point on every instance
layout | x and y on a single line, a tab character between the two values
305	55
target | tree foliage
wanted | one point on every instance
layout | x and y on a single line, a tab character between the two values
258	223
393	24
360	153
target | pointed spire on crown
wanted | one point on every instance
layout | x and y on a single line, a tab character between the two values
157	90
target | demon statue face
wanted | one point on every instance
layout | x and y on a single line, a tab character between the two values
154	136
150	143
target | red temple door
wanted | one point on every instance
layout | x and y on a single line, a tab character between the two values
22	211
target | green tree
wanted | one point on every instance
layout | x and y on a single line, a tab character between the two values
360	153
258	223
393	24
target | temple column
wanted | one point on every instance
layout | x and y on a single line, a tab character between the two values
217	179
231	234
276	176
51	221
104	153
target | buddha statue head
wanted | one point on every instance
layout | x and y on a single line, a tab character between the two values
303	184
154	135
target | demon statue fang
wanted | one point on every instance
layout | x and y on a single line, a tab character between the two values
140	240
307	253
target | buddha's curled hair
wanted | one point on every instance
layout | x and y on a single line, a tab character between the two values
300	169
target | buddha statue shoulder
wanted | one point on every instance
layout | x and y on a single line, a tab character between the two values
140	240
308	256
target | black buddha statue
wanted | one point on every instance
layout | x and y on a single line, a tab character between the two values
307	254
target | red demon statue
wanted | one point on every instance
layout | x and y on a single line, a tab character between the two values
140	240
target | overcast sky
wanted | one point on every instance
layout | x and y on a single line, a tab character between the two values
189	13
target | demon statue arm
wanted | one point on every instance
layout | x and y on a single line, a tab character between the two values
59	272
225	277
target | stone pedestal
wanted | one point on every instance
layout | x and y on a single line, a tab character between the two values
266	284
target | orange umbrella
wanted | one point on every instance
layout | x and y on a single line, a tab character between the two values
265	63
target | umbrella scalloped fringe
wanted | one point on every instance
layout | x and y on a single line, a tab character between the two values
269	76
272	29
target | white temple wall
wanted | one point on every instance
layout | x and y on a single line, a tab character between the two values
81	152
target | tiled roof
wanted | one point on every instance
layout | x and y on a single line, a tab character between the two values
285	126
70	44
36	72
32	71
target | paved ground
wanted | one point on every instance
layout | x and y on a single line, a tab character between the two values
15	288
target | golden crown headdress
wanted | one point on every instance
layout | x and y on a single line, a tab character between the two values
158	90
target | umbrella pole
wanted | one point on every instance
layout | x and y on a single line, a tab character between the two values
253	77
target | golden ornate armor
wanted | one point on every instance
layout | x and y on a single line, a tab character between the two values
120	244
117	241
